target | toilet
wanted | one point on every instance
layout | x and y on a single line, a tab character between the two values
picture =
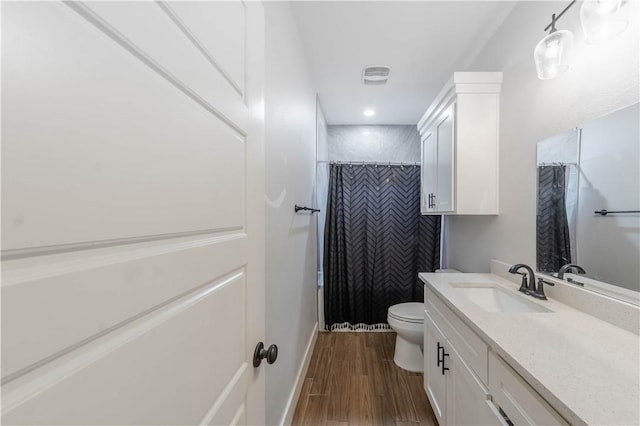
407	320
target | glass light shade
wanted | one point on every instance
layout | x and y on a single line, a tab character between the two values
553	53
601	20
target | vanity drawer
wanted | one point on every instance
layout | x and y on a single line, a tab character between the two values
519	401
467	343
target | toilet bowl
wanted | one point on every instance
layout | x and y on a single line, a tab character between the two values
407	320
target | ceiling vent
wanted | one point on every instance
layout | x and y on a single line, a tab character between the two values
376	75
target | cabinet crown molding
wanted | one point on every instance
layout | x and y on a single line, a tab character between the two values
460	83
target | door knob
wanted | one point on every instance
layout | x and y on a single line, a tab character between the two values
270	354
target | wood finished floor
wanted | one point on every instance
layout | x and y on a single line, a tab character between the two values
352	380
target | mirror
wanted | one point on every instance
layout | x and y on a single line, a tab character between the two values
588	209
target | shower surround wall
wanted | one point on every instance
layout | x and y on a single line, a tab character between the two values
374	144
369	144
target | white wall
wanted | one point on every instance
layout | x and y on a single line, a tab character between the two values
602	78
290	133
322	148
322	185
322	180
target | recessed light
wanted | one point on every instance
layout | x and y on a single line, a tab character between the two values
369	112
366	132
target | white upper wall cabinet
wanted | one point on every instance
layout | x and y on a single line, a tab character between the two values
460	146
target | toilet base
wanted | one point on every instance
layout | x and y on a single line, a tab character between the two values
408	355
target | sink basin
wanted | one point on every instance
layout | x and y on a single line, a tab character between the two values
496	299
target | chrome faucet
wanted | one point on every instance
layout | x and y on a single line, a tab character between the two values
567	268
526	286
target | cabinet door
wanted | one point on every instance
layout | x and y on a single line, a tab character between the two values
428	173
435	381
444	132
467	398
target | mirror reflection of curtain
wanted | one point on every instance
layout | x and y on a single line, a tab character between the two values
376	241
553	241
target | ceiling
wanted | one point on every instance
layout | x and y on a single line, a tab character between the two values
423	42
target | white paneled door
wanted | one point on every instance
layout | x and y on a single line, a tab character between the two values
132	212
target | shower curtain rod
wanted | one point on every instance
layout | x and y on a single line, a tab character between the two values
557	163
375	163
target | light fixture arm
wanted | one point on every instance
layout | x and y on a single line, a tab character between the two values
554	18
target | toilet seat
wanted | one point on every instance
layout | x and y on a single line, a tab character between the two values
411	312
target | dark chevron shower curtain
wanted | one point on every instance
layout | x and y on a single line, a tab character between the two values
376	241
553	244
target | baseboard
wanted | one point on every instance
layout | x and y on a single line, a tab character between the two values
302	372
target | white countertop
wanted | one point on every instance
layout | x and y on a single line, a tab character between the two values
586	368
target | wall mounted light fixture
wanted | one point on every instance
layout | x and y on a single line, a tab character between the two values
600	20
553	53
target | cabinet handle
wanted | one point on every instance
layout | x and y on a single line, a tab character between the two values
443	367
433	201
438	354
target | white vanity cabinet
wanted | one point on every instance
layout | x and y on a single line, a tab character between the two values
457	394
459	135
467	383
